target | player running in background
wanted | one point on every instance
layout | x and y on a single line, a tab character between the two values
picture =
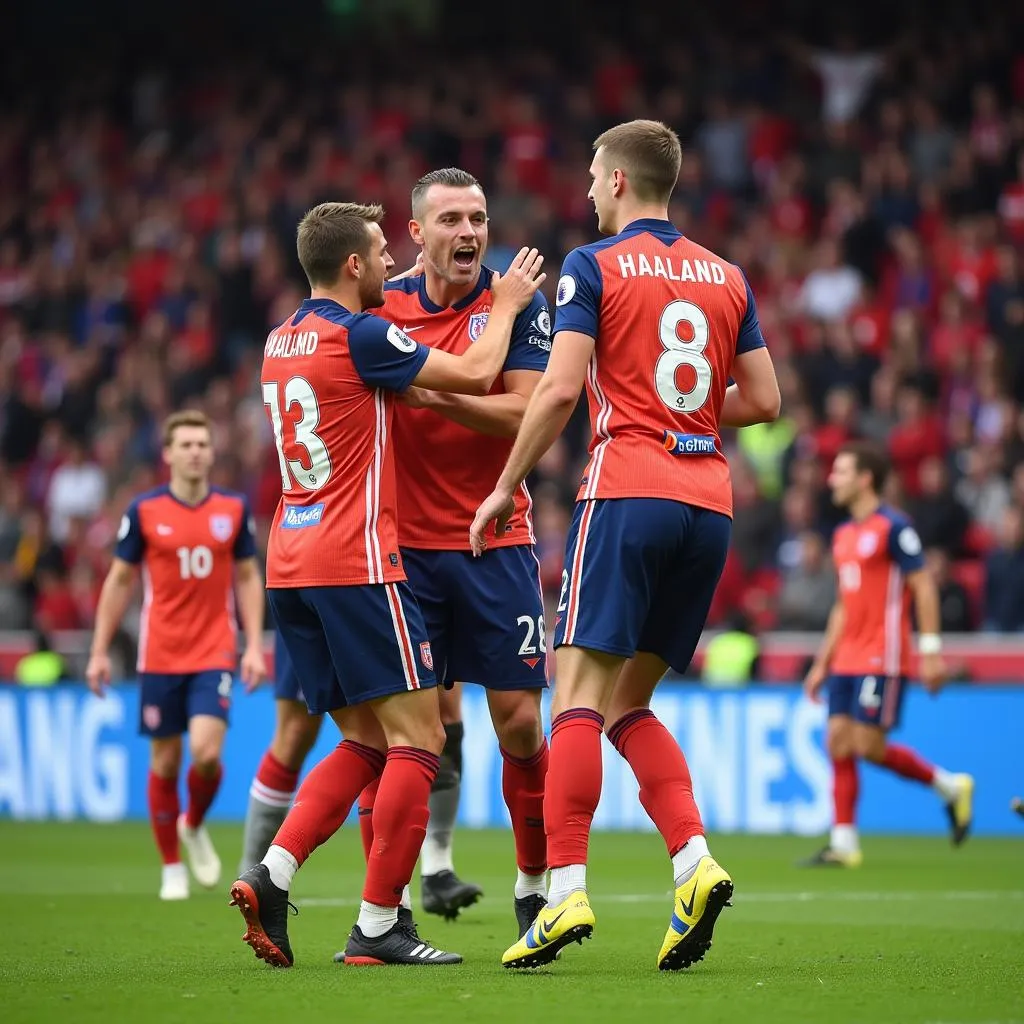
656	325
194	543
866	652
335	578
484	618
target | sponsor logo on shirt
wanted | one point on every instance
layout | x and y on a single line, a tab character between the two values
689	444
296	518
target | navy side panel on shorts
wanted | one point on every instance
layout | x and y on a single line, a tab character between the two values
485	616
286	682
640	574
873	700
349	645
168	701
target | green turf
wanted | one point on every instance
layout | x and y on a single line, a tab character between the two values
921	933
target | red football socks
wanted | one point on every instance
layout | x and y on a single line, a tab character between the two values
366	801
845	787
573	785
326	796
908	763
201	791
274	783
399	823
666	790
522	785
164	809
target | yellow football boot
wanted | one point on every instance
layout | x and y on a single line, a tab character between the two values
554	927
699	901
961	809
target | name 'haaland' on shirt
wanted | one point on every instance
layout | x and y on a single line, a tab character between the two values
291	343
706	271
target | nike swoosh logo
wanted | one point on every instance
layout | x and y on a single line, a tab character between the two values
545	928
688	907
409	330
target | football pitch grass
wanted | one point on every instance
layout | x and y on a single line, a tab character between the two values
920	933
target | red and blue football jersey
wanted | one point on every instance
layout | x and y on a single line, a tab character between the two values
187	554
668	317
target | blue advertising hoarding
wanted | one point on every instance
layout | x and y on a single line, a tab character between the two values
756	757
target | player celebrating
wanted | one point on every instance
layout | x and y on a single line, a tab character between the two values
656	325
336	582
484	618
188	537
867	648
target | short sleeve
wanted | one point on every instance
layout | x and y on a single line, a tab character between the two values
578	296
905	546
130	544
384	355
530	344
245	541
749	335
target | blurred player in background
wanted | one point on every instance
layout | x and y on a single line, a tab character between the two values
655	325
194	544
484	618
336	583
866	652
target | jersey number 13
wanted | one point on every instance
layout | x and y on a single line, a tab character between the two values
298	391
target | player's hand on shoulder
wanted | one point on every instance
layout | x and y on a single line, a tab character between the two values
253	668
518	285
97	673
933	672
814	681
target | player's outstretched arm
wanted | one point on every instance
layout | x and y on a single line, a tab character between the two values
114	598
474	372
545	418
249	583
493	415
929	624
754	397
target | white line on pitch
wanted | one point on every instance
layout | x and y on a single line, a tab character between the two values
967	895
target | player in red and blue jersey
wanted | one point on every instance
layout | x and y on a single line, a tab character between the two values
866	653
336	583
484	616
655	325
194	543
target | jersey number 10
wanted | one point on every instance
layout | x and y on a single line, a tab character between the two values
298	391
683	353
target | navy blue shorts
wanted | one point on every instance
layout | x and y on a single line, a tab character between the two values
349	645
639	575
168	700
286	682
873	700
485	616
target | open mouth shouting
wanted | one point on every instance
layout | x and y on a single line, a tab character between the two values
465	257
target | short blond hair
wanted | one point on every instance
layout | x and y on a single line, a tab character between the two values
184	418
329	234
650	154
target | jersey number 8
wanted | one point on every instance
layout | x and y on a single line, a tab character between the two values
298	391
683	353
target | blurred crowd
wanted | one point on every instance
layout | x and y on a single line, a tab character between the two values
871	189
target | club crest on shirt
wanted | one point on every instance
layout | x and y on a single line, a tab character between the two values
221	527
477	323
867	544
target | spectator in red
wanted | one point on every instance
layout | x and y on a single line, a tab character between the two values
918	434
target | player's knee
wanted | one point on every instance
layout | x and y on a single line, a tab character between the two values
840	744
869	744
165	758
520	732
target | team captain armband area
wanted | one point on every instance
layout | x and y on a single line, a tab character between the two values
756	756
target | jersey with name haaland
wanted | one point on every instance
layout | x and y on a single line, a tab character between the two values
668	318
328	380
445	470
